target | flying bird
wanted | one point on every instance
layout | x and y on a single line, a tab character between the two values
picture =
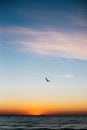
47	80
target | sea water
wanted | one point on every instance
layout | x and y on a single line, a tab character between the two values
43	122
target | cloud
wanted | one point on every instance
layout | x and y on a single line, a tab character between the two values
48	42
68	76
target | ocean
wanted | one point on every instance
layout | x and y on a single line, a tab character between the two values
43	122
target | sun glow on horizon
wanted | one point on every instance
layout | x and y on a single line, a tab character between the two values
59	109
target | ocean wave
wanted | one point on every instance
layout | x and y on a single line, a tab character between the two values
56	129
43	123
40	129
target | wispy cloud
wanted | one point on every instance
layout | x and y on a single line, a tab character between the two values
48	42
68	76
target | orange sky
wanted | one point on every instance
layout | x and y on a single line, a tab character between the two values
38	109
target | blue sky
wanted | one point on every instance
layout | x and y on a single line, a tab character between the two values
43	38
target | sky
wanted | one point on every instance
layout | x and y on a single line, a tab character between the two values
38	39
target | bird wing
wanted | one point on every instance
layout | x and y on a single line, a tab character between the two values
47	79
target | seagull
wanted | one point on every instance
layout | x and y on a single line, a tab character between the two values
47	80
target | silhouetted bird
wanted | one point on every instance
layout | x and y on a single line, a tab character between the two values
47	80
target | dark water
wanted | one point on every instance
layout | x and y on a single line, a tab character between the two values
43	122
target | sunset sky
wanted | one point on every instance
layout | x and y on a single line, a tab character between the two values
38	39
